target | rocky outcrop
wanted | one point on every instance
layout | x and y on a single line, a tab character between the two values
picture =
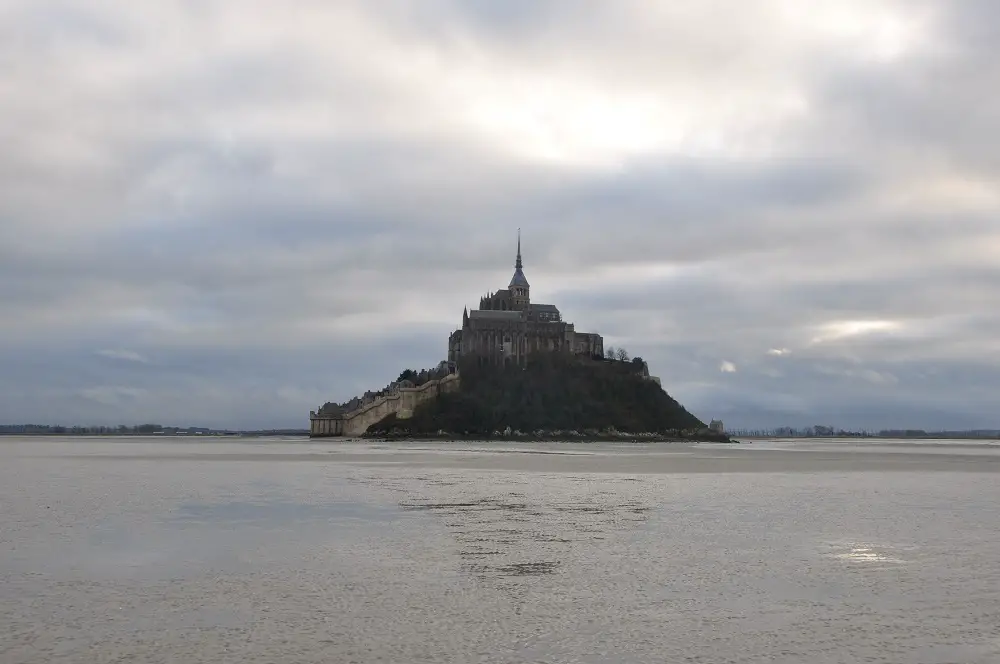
552	397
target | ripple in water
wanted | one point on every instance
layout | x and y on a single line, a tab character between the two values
521	533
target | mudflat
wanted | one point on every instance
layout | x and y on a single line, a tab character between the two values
256	550
787	456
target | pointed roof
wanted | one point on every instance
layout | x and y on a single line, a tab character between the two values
518	278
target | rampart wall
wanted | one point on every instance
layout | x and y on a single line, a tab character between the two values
402	402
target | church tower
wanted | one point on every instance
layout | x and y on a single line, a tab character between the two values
518	284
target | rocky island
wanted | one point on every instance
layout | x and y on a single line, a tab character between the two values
516	369
552	397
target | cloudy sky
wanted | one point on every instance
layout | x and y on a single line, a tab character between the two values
226	212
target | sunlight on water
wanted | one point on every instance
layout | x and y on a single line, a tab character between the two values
867	554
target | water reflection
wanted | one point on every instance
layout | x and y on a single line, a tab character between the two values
521	532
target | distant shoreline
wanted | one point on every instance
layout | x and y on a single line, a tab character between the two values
852	438
233	434
742	439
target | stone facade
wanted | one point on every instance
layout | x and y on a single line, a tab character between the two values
401	400
507	327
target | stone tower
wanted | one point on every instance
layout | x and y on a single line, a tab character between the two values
520	298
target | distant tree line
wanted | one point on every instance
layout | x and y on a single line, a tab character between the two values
819	431
58	430
119	430
612	354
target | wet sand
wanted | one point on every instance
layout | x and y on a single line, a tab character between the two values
656	458
160	550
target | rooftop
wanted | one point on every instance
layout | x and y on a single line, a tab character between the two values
518	279
495	315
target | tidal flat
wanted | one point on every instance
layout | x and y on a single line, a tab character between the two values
270	550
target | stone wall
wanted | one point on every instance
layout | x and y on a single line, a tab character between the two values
402	402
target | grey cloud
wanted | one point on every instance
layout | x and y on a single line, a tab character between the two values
217	387
122	354
283	217
876	396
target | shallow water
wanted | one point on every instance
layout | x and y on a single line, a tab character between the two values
160	550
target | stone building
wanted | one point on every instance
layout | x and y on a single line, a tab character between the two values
507	327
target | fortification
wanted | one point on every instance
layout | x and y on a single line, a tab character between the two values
401	400
505	330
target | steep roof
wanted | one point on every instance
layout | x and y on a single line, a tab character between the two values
518	278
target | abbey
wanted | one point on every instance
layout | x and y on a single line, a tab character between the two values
507	327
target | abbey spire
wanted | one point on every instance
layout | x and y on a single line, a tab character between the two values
518	283
517	263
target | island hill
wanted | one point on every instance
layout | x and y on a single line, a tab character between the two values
515	369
